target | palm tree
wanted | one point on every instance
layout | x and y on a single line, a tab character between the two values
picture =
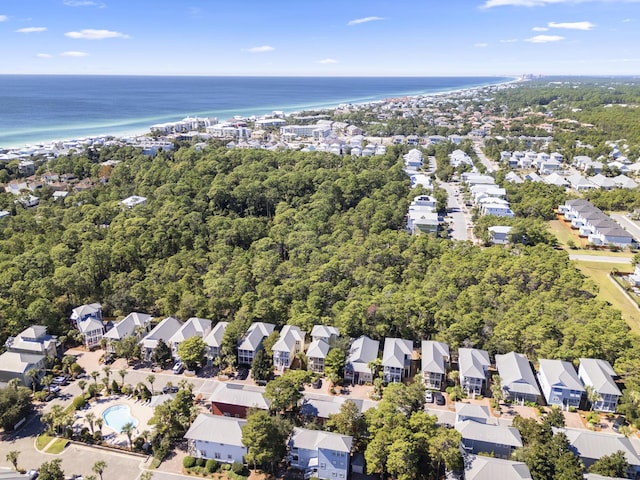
47	381
146	475
454	376
12	457
107	371
105	382
13	383
95	374
82	384
123	373
592	395
99	467
99	423
32	374
151	379
127	429
90	418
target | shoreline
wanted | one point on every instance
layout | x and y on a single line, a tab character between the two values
137	132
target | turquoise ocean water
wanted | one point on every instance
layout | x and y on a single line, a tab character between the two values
42	108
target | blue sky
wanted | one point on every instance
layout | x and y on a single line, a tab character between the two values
304	37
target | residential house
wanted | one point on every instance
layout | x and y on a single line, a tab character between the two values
320	406
363	350
622	181
251	342
194	327
471	411
480	467
214	340
290	342
435	359
496	440
599	375
473	365
602	182
163	331
218	438
320	454
235	399
396	359
316	355
324	332
499	234
133	324
92	331
17	364
560	384
134	200
517	378
591	446
84	312
34	340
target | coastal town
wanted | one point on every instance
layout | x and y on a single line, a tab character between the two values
489	331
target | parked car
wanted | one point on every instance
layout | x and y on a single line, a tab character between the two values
54	389
178	368
61	380
171	389
439	398
428	396
242	374
317	384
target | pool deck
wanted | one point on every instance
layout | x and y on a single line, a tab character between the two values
141	411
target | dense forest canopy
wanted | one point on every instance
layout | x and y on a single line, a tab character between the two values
290	237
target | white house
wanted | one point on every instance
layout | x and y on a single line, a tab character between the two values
499	234
481	467
599	375
84	312
363	350
435	358
320	454
316	355
290	342
34	340
92	331
325	332
517	379
396	359
17	364
217	437
214	340
133	324
163	331
474	368
194	327
251	342
134	200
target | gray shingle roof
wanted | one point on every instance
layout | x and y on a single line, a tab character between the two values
314	439
257	332
472	362
516	374
560	372
216	429
489	468
214	339
434	356
595	445
394	352
496	434
600	375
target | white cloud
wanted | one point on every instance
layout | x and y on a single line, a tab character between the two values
544	39
91	34
628	20
74	54
327	61
84	3
480	45
43	55
3	18
261	49
572	25
542	3
358	21
509	40
31	30
539	29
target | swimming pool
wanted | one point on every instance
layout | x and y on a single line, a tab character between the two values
117	416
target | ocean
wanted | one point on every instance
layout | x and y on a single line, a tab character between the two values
43	108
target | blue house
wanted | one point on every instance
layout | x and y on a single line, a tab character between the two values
320	454
560	384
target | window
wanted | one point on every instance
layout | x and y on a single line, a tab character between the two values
229	457
342	475
216	455
334	474
323	466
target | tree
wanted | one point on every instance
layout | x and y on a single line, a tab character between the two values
192	352
349	421
128	348
99	468
283	393
614	465
128	429
334	363
51	470
265	438
161	354
94	375
15	404
82	385
32	374
90	418
151	379
47	381
107	372
12	458
262	366
146	475
99	423
592	395
123	373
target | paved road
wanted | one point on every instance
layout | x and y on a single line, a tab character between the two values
490	164
600	259
460	218
629	225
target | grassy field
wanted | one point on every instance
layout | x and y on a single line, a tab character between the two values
57	446
43	440
609	292
563	233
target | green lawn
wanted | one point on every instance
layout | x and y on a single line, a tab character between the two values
563	233
609	292
43	440
57	446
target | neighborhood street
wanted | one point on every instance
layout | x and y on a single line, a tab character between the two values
629	225
600	258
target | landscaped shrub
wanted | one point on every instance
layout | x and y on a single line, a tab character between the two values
238	468
201	462
40	396
138	443
188	461
78	402
97	436
226	467
212	466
